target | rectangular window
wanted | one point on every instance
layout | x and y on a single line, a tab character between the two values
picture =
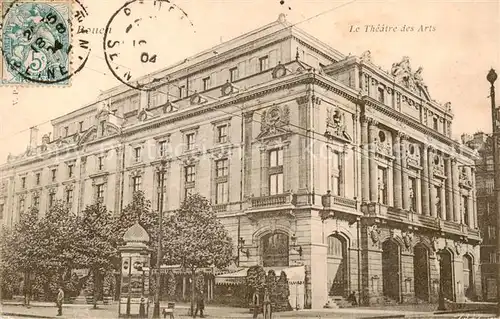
189	174
80	126
222	168
100	191
492	233
21	205
412	181
206	83
435	124
70	170
52	198
23	182
162	148
335	172
221	193
137	154
36	201
276	172
100	163
222	134
54	174
136	183
190	141
69	196
233	74
189	180
38	178
382	185
160	188
182	91
493	258
381	94
438	201
264	63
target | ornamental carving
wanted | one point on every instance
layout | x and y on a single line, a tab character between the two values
170	107
197	99
279	71
229	88
438	165
374	232
335	125
408	239
366	56
464	179
3	187
406	77
273	120
458	247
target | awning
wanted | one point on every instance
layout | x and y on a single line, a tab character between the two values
295	275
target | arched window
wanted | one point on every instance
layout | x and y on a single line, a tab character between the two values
275	250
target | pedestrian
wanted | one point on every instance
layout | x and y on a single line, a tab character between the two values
59	301
26	292
352	299
267	309
200	304
256	304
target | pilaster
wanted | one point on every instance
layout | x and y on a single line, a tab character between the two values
425	180
398	191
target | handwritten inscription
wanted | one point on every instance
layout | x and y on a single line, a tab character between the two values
384	28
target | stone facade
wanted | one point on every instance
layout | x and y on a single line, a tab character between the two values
309	157
486	210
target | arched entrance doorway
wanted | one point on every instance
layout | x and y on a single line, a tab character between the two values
421	272
337	275
468	276
274	250
390	270
446	274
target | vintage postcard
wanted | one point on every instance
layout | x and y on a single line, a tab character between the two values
249	159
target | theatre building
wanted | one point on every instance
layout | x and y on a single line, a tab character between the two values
312	159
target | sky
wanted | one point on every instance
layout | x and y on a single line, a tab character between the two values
461	43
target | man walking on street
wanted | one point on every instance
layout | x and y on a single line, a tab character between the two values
59	302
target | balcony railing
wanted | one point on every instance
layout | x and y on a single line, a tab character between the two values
272	200
219	207
330	201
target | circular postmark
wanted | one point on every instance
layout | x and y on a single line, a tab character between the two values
37	41
145	36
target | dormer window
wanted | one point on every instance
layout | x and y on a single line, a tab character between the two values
66	131
23	182
182	91
38	178
54	174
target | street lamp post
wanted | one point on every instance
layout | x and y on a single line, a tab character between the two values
492	77
161	175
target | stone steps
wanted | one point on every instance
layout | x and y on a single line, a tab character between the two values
336	302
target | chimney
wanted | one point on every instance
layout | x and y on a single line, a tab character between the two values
33	137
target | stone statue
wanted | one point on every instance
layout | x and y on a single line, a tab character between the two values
419	81
366	56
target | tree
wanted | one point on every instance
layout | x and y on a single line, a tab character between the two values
21	250
283	291
272	287
98	242
195	239
61	238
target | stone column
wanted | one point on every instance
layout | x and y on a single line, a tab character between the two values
365	187
397	149
425	181
432	196
264	175
470	205
404	176
372	134
456	192
449	190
